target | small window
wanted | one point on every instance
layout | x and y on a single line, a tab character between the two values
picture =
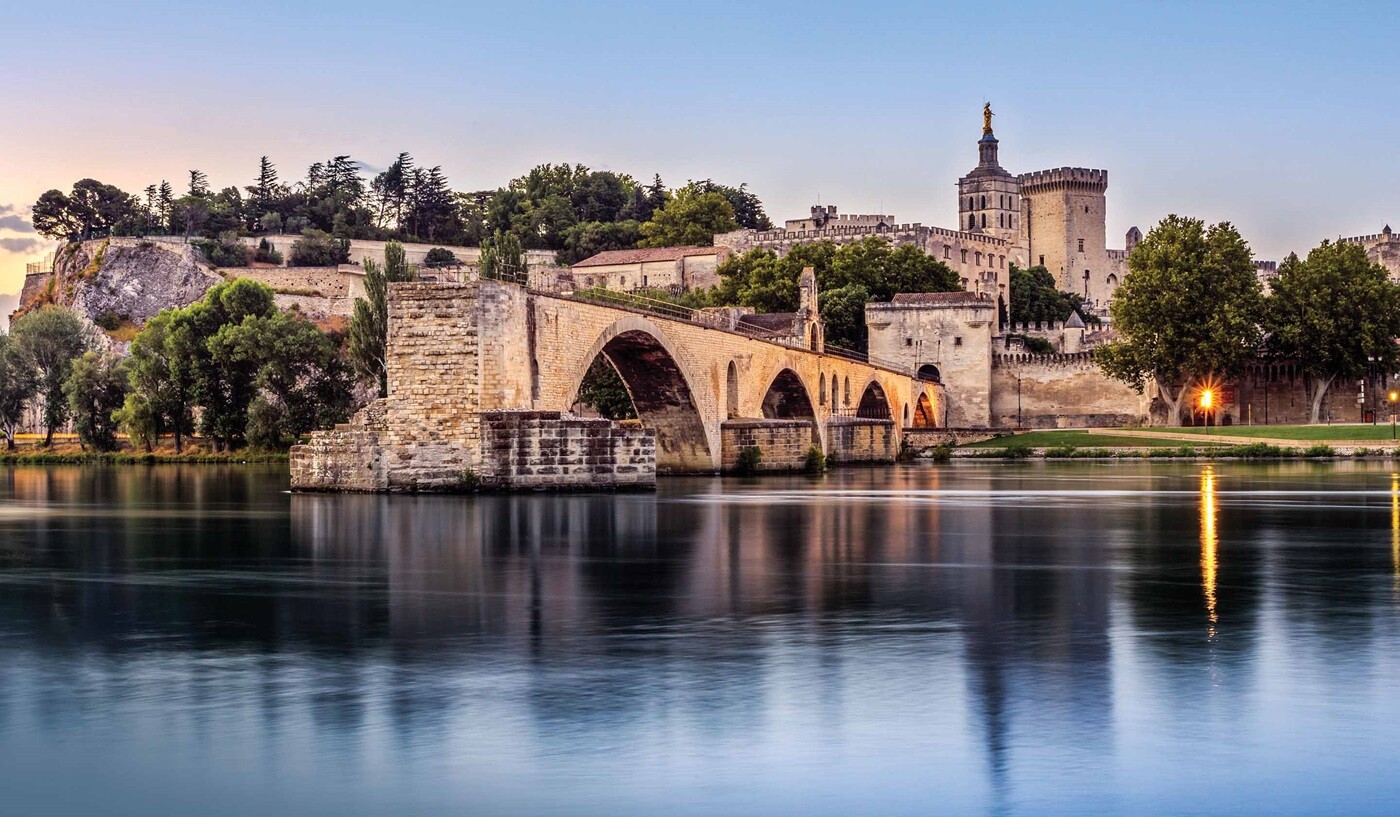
1081	245
957	341
908	341
964	256
979	259
972	222
1001	259
984	202
1086	208
1042	260
984	219
947	251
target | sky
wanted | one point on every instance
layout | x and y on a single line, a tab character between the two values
1275	116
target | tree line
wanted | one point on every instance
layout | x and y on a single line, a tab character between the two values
571	209
1191	311
231	367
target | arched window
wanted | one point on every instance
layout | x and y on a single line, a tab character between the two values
1001	259
732	390
979	259
971	221
1001	219
847	393
835	388
984	202
984	219
821	390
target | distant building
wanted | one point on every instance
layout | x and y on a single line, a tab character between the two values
1053	218
1382	248
679	269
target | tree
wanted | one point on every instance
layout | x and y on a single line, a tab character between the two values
587	239
502	258
161	396
18	384
92	210
190	214
95	389
748	210
47	341
199	184
843	311
1189	308
1334	314
317	248
689	218
369	321
1035	297
603	389
301	383
439	257
222	386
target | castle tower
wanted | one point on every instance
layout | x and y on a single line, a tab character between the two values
989	203
989	198
1065	210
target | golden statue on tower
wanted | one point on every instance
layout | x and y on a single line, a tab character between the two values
987	119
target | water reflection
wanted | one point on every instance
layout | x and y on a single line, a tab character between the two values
1006	639
1209	541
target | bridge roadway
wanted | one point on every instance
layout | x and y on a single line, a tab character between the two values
458	353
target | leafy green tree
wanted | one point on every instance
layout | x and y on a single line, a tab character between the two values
1335	314
1189	308
300	380
871	270
503	258
603	389
18	384
689	218
587	239
161	381
439	257
47	341
316	248
93	209
140	420
221	386
369	321
190	214
95	389
748	210
1035	297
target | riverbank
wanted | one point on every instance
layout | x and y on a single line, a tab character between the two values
68	454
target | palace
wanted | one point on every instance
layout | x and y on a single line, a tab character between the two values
1052	218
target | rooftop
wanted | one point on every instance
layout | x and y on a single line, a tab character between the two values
958	297
611	257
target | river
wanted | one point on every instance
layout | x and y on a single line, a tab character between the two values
1009	639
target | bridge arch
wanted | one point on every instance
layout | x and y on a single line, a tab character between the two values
924	415
787	398
874	402
660	388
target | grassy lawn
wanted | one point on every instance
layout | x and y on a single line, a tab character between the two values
1110	438
1380	431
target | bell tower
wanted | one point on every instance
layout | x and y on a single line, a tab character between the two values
989	198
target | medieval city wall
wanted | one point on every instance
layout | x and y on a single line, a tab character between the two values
1060	391
783	443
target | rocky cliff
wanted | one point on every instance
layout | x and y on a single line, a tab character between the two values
119	283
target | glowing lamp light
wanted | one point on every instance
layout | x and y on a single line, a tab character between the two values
1207	398
1393	396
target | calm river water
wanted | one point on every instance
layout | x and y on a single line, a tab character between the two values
962	639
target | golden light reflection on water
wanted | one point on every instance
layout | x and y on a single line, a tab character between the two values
1395	535
1209	541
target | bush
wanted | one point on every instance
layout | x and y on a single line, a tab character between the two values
1017	451
1255	451
224	251
319	249
267	254
943	452
110	320
816	461
440	257
1037	345
1060	452
1321	450
1366	452
750	458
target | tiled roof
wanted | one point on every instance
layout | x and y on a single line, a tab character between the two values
610	257
961	296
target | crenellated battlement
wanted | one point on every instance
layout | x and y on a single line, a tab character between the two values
1060	178
1061	359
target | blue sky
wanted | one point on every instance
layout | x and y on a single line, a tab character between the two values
1275	116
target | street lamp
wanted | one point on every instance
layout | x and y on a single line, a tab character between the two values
1206	400
1391	397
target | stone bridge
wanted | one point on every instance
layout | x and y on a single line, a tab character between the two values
483	375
